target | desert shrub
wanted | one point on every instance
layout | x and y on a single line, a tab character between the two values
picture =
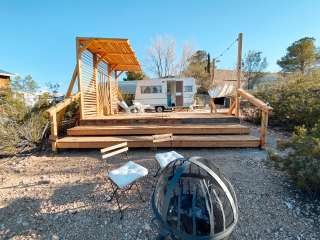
302	158
72	110
295	101
22	127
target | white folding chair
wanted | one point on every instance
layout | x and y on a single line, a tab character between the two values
164	158
124	177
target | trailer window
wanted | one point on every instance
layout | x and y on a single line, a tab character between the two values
151	89
187	88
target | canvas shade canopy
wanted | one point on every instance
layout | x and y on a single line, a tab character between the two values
116	52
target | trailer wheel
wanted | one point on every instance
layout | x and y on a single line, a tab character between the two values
159	109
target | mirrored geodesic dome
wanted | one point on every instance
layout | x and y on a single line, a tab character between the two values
193	200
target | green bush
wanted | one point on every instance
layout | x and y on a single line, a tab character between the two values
295	100
22	127
302	160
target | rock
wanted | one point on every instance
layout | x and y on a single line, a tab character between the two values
147	227
19	220
25	224
55	237
2	226
43	182
16	170
289	205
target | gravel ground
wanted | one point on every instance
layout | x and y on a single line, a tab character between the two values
63	196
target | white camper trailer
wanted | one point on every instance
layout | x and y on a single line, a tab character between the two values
165	93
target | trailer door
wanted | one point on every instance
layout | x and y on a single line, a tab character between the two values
179	93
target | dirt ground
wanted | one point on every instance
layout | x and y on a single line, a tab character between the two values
64	196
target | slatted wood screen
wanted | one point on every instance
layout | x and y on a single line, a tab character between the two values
98	90
103	89
88	86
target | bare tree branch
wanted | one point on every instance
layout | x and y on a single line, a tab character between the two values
161	56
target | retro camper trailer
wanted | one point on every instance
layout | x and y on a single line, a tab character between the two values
166	93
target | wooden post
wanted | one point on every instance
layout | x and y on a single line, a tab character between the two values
54	132
79	78
213	69
110	89
263	130
95	74
239	63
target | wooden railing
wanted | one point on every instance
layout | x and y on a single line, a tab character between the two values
262	106
56	112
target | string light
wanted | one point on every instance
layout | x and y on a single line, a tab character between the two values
225	50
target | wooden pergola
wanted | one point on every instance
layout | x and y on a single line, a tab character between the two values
100	62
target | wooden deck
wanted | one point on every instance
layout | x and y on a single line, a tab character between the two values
98	94
196	129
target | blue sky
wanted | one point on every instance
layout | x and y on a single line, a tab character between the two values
38	37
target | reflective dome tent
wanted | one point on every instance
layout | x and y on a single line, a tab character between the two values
193	200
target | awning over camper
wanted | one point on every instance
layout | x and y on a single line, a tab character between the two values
116	52
222	90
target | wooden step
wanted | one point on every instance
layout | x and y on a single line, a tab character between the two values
211	141
166	118
149	129
135	121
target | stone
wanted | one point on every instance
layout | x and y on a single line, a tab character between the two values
2	226
25	224
55	237
147	227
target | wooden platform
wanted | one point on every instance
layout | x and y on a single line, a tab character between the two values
146	141
190	130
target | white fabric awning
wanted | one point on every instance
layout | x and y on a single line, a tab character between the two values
222	90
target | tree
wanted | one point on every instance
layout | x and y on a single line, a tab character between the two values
198	68
253	67
187	52
26	84
135	76
53	87
301	56
161	56
208	67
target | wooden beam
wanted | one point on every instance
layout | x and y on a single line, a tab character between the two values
263	129
61	105
95	74
117	54
151	129
79	78
146	141
101	58
253	100
86	45
117	75
232	106
110	90
239	64
54	132
73	79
